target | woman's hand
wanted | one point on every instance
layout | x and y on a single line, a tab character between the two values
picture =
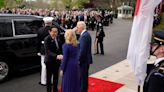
61	73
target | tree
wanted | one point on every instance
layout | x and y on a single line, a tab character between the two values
40	4
67	3
19	2
80	3
8	3
2	3
74	3
11	3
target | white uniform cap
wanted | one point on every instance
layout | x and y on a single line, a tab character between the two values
47	19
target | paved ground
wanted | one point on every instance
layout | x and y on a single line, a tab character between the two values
115	45
120	73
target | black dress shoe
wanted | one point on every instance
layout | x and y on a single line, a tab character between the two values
102	53
42	84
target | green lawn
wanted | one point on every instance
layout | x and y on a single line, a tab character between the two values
161	25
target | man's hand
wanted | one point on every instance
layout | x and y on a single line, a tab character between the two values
75	29
59	57
61	73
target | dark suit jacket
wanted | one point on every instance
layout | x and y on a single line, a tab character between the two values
85	55
80	18
154	81
101	35
51	50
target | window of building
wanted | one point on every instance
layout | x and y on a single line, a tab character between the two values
124	11
120	11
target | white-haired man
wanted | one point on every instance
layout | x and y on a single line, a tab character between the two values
85	55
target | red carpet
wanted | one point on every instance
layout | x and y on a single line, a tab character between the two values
98	85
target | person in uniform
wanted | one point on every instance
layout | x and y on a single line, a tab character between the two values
154	81
92	22
99	36
42	33
68	22
53	57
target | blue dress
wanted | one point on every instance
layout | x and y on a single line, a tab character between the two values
70	67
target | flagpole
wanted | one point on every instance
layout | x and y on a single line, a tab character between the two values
138	88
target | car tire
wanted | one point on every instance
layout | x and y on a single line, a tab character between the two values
4	70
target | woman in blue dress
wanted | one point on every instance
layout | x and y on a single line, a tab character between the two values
70	65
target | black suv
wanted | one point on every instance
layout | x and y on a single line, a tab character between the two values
18	43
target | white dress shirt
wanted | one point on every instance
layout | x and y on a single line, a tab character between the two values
82	32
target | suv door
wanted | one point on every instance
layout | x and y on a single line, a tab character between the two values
18	45
6	33
25	42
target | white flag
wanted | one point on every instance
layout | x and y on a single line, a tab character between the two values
141	33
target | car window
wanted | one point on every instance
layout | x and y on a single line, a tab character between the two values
6	29
23	27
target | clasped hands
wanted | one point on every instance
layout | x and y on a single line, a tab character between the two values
59	57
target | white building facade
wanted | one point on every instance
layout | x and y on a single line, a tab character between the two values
125	11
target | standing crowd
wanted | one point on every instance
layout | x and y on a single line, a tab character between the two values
65	18
72	59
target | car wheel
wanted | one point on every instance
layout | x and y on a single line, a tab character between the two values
4	71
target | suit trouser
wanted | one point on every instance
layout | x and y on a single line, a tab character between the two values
43	70
92	26
101	47
84	77
52	76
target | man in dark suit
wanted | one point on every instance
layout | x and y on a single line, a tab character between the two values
92	22
42	33
53	56
80	17
85	55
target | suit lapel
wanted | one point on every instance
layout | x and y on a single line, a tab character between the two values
53	42
82	35
58	42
